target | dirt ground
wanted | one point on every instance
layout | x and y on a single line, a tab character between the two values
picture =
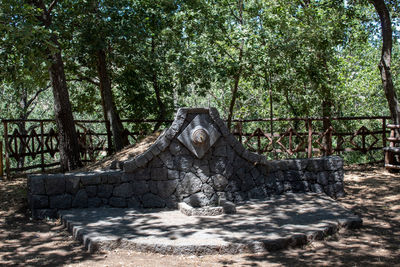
372	193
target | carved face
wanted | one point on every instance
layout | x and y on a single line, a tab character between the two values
199	136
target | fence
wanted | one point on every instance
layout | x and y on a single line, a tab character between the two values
36	141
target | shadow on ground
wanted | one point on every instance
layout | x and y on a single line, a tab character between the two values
372	193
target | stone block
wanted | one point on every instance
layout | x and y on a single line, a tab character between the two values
166	188
298	186
227	206
183	162
247	183
154	149
220	151
90	178
114	177
117	202
316	188
128	177
292	176
159	174
173	174
175	148
279	189
94	202
203	172
105	190
55	184
218	165
36	184
156	163
322	178
141	161
197	200
123	190
130	165
316	165
190	184
219	182
91	190
72	184
133	202
162	143
256	193
140	187
142	174
153	187
150	200
167	160
208	190
333	163
80	200
39	201
330	190
63	201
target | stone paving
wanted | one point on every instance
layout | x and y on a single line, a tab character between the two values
260	225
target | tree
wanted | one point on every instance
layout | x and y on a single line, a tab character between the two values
68	139
386	56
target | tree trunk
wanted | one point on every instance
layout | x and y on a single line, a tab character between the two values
156	87
68	138
111	114
384	65
239	72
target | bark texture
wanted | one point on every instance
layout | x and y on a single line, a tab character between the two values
67	136
112	118
386	56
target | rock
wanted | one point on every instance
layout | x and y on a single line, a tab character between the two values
118	202
247	183
142	174
219	181
150	200
140	187
91	190
173	175
197	200
61	201
159	174
322	178
256	193
133	203
162	143
183	162
72	184
36	184
55	184
123	190
207	190
140	161
333	163
292	176
316	165
89	178
94	202
191	184
104	190
153	187
167	160
114	177
39	202
317	188
166	188
156	163
80	200
218	165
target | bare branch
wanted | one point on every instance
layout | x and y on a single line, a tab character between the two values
33	98
51	6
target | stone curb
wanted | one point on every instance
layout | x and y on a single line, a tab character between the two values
93	243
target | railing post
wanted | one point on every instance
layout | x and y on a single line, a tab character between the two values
6	150
309	140
330	141
42	145
384	132
1	159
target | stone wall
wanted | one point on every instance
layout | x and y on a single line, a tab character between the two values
176	169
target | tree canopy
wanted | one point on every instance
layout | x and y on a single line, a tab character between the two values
144	58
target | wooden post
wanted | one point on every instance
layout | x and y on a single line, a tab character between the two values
42	141
309	140
384	132
330	130
1	159
6	150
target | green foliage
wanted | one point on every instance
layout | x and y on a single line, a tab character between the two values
305	55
